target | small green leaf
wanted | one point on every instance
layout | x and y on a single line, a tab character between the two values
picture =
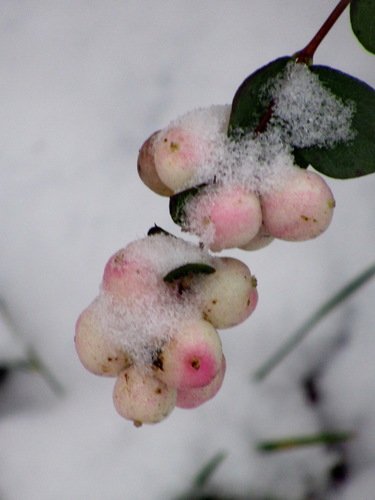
188	270
356	157
248	107
362	18
155	229
178	201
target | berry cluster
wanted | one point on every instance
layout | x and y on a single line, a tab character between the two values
233	194
153	324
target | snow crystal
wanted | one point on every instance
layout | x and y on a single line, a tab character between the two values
205	122
165	252
304	114
259	163
143	323
307	113
255	161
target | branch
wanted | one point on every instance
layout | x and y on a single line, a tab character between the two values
307	53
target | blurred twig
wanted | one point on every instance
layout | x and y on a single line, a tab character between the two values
33	361
319	314
293	442
208	469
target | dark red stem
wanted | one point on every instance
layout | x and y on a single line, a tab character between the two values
263	122
307	53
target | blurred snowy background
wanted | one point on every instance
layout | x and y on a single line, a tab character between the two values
83	84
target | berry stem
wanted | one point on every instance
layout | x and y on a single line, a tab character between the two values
307	53
262	125
305	56
289	443
309	324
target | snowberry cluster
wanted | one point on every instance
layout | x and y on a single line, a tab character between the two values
153	324
244	189
246	196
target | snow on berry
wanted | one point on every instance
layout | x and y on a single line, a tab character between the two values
165	252
195	396
230	295
152	324
187	145
95	348
129	277
195	150
141	397
302	209
192	358
224	216
140	310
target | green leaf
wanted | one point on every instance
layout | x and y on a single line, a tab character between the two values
356	157
362	18
178	201
248	107
188	270
155	229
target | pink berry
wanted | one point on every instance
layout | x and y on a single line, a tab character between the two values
146	168
96	350
141	397
224	216
196	396
178	153
229	295
192	358
128	277
301	209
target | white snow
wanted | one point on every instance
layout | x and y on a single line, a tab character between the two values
258	163
208	123
166	253
149	312
83	84
142	322
306	112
